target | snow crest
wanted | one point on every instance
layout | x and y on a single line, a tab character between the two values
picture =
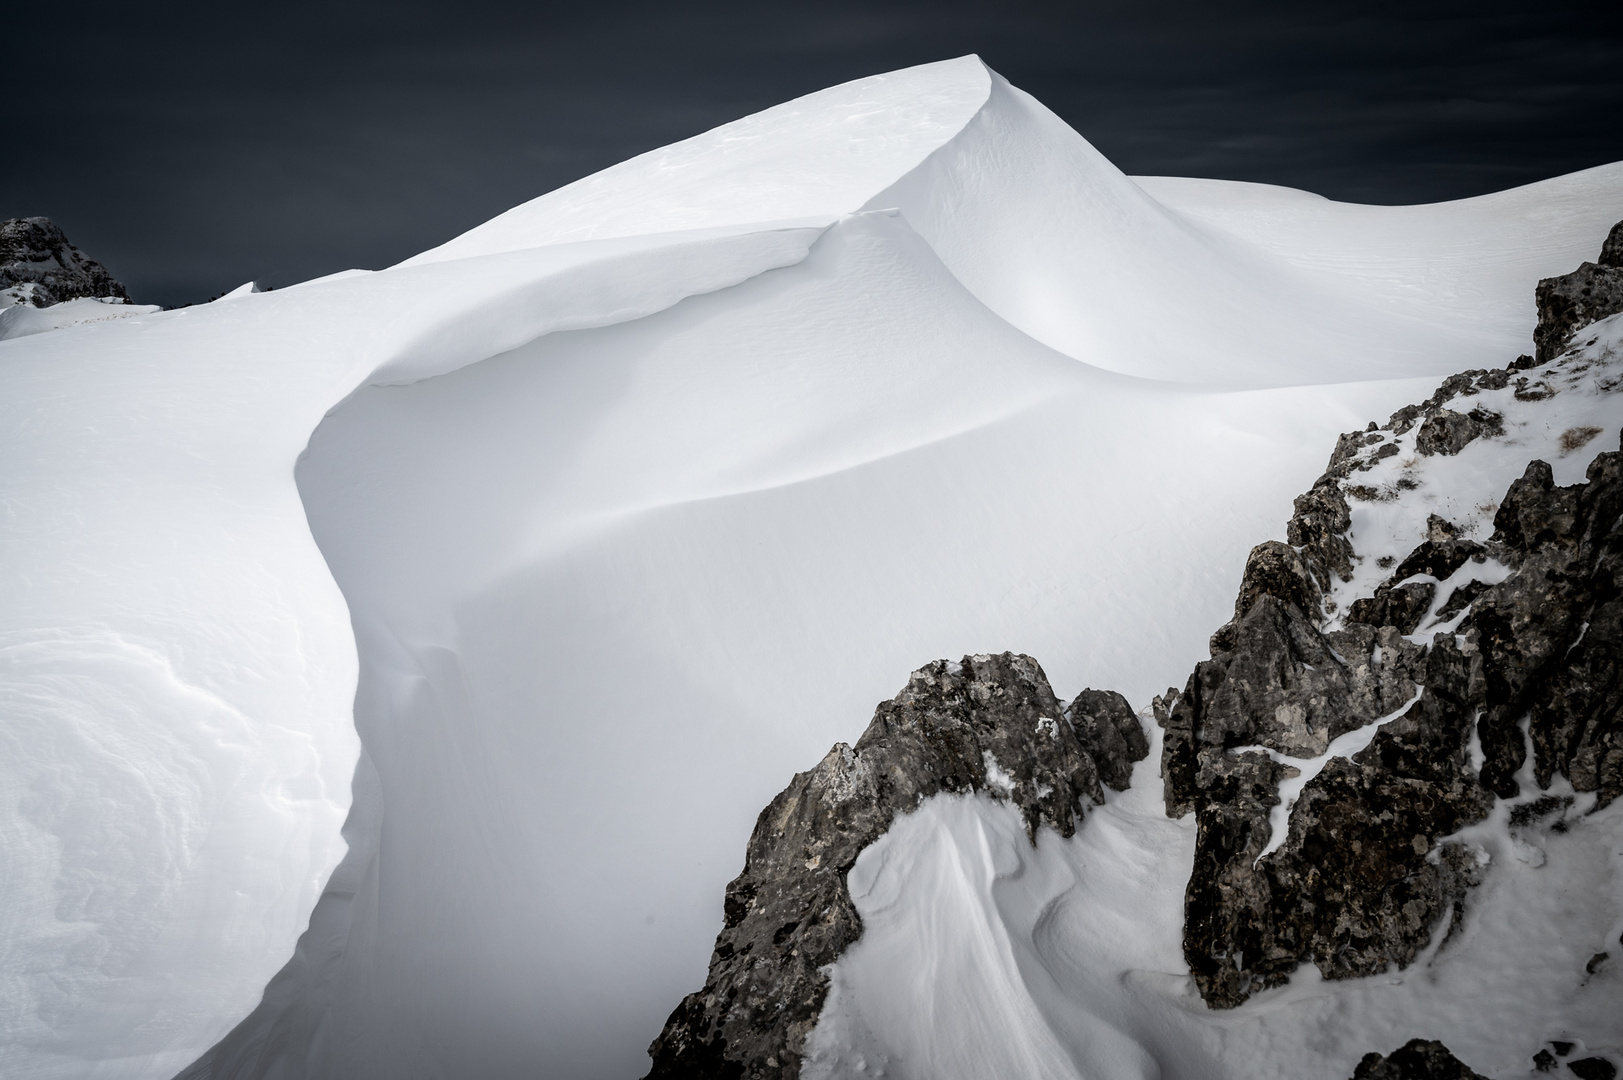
607	515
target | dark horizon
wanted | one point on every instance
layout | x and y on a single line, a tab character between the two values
196	149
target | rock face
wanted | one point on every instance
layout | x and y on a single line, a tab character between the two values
1356	885
1572	301
987	724
1360	883
38	266
1417	1059
1551	636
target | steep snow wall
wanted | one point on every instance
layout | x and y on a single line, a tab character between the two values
630	523
176	661
652	566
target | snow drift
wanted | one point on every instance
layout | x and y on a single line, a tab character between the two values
611	514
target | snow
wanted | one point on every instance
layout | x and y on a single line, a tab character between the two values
1581	415
572	539
1475	258
21	319
983	955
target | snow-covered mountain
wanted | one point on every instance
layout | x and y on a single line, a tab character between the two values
46	283
396	664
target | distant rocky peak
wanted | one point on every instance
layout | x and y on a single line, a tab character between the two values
1611	253
39	267
1573	301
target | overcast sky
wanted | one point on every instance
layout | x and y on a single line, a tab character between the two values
192	147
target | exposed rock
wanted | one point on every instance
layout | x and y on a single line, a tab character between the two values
1356	885
987	724
1272	569
1322	517
1593	1068
1318	529
1359	883
1417	1059
1573	301
1401	603
38	266
1109	731
1448	432
1611	252
1552	634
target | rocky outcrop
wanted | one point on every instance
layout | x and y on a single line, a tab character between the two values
1360	883
38	266
1573	301
987	724
1551	636
1317	530
1417	1059
1359	880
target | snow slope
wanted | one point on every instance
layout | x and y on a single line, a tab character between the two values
1473	258
639	496
1064	959
20	320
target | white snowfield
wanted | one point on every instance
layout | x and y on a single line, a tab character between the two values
571	540
20	320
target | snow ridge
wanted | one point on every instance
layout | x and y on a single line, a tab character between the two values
544	559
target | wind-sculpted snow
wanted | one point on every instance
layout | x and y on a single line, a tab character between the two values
1473	258
636	495
1342	752
817	157
1055	239
177	664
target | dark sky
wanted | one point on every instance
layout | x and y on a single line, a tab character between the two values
192	147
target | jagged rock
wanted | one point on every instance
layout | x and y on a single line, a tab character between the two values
1448	432
1356	886
1611	252
986	724
1573	301
1272	569
1417	1059
1552	633
1321	517
38	266
1109	731
1318	529
1401	603
1352	888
